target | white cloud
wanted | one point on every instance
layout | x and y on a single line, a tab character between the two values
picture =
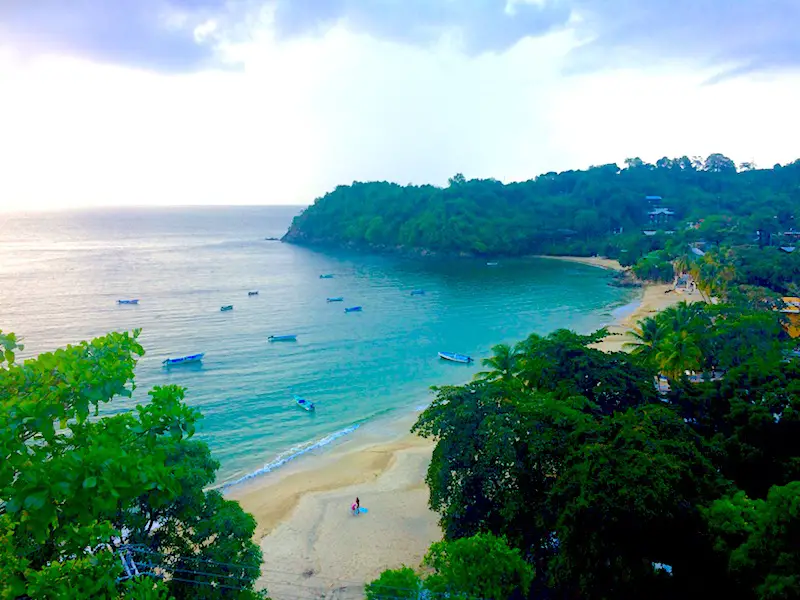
306	115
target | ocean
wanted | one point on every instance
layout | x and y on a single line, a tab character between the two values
61	274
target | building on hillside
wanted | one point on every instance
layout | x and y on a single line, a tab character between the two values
649	231
791	308
651	199
660	215
788	249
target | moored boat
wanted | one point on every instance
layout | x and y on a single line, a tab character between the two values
452	356
491	264
192	358
289	337
131	301
352	309
335	299
224	308
417	292
326	276
255	293
303	403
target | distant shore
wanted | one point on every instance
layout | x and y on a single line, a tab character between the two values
596	261
307	534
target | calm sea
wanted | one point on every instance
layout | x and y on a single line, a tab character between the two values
61	274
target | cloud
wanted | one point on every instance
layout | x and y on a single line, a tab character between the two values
729	37
734	37
161	35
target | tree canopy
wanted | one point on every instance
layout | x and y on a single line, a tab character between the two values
610	490
82	493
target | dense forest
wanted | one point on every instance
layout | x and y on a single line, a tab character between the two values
643	214
562	472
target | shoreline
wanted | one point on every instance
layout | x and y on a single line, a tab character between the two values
304	526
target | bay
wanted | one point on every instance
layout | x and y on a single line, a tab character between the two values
61	274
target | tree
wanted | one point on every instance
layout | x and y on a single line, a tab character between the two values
495	461
457	179
503	364
71	483
648	336
678	353
402	584
626	503
758	539
719	163
481	566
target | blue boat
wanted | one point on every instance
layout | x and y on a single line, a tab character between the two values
417	292
225	308
253	293
291	337
327	276
452	356
353	309
303	403
133	301
192	358
336	299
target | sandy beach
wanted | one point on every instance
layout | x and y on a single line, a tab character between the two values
315	548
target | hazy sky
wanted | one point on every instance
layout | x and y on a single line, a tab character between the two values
115	102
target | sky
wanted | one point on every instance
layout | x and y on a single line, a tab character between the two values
164	102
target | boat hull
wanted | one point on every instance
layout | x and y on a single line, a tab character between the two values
457	358
225	308
303	403
353	309
337	299
184	360
282	338
418	292
134	301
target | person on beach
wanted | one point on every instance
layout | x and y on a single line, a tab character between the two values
358	504
354	509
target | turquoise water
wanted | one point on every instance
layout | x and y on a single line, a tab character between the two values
61	274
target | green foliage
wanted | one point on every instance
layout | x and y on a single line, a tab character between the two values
562	451
574	212
481	566
626	500
402	584
759	540
73	483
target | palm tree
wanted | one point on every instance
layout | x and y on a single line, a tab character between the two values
503	364
647	337
678	353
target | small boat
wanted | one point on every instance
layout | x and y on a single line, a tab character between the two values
417	292
491	264
335	299
353	309
272	239
224	308
192	358
291	337
452	356
253	293
327	276
133	301
303	403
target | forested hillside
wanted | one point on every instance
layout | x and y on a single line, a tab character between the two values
601	210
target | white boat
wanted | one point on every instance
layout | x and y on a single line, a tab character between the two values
192	358
491	264
132	301
303	403
452	356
